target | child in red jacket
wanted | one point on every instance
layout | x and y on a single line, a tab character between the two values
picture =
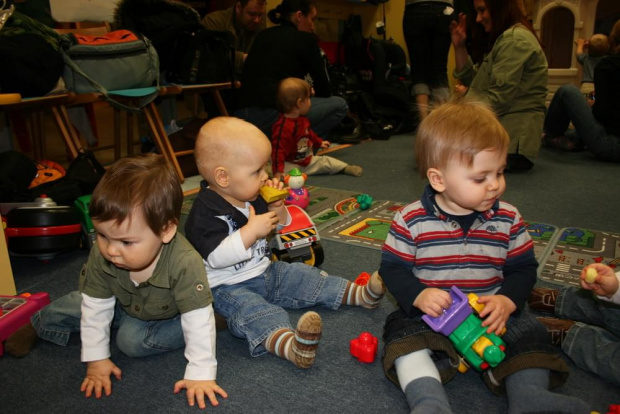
292	139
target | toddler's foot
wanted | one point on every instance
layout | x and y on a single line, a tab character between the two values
368	295
543	299
557	328
354	170
306	340
297	346
20	343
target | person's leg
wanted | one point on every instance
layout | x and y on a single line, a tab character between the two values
297	285
527	391
137	338
322	164
418	39
440	47
594	349
326	113
569	105
248	313
420	381
54	323
583	306
262	118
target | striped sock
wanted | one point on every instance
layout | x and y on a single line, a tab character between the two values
368	295
299	346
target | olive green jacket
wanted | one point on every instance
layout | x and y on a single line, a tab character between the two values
512	79
178	284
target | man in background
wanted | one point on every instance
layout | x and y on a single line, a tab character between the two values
244	20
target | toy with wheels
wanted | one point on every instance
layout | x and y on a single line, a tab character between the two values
299	241
89	233
41	229
478	348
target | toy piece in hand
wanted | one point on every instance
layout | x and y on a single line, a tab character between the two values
591	275
271	194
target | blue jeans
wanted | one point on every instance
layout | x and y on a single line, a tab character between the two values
593	343
135	337
427	34
255	308
569	105
324	115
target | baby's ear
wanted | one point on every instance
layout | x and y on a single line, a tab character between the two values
435	179
221	176
169	232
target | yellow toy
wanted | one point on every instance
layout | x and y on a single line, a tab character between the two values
271	194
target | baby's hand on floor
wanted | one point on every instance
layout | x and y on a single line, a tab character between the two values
197	390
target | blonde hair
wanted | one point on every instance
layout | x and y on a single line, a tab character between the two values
290	91
458	131
598	45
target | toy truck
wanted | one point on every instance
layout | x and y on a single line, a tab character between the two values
463	327
299	241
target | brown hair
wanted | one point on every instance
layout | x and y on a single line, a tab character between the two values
504	14
291	90
145	182
458	131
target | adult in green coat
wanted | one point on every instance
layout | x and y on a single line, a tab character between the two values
511	75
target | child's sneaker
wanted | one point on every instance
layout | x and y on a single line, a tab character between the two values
557	328
543	299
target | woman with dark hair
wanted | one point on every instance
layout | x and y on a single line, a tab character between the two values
288	50
596	127
511	75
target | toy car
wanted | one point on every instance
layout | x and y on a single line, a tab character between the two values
478	348
299	241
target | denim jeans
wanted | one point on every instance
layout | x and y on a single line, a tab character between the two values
135	337
569	105
593	343
255	308
324	115
427	34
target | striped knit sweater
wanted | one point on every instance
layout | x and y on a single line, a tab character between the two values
426	248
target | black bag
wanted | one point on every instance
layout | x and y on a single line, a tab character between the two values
16	173
203	56
82	177
30	65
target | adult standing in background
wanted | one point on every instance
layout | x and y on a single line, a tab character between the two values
427	34
244	20
511	76
288	49
596	127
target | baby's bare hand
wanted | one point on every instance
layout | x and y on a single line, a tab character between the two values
497	310
433	301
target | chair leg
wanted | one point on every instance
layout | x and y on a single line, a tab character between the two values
161	138
217	97
68	134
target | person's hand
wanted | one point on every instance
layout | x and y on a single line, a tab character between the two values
98	377
497	310
460	89
580	42
325	144
433	301
275	183
458	31
606	282
196	391
258	226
